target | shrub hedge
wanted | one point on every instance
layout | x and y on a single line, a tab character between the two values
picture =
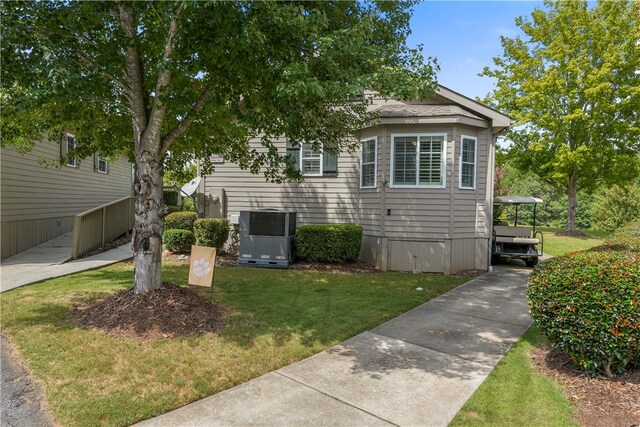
180	221
626	238
178	240
588	305
329	243
211	232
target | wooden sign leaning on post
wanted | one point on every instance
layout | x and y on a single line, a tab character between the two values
203	262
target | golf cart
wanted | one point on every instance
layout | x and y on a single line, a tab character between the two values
516	242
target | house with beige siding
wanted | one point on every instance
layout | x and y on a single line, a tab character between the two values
39	201
421	185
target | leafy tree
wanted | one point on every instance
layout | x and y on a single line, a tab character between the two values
197	78
179	174
572	84
616	206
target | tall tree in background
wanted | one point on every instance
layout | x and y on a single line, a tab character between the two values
572	84
190	79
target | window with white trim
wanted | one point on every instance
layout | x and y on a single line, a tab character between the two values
368	160
101	165
468	156
313	162
68	145
419	160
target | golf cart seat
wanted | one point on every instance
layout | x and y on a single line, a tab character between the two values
505	234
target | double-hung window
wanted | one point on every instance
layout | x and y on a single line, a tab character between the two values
368	162
68	145
468	158
419	160
100	164
313	162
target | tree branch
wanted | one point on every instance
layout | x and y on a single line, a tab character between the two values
90	64
164	75
182	127
134	73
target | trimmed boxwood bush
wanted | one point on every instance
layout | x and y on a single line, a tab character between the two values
588	305
178	240
329	243
211	232
180	221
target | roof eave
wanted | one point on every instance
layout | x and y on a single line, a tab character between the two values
500	120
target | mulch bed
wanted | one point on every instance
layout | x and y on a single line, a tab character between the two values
170	311
599	401
228	260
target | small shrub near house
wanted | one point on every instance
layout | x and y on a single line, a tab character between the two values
180	221
211	232
588	305
178	240
331	243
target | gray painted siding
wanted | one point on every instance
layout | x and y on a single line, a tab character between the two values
38	203
442	230
429	230
318	200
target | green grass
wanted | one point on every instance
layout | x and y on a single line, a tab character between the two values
558	245
516	395
275	318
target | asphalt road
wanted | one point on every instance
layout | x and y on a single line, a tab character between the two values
21	404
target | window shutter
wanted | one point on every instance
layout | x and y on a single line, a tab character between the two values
96	163
329	164
294	153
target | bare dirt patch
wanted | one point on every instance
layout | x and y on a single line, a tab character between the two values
599	401
170	311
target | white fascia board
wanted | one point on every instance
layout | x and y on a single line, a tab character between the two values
499	119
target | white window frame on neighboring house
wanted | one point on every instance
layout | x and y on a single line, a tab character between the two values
463	161
102	160
311	158
369	162
72	162
418	154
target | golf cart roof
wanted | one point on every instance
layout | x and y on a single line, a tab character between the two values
516	200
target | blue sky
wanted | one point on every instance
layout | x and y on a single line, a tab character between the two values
465	36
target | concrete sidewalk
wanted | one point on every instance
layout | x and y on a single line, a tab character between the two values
47	261
417	369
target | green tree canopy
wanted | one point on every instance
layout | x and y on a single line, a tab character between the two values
572	85
190	79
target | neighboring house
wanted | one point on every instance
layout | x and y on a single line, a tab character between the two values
39	202
421	186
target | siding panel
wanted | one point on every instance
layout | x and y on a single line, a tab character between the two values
38	202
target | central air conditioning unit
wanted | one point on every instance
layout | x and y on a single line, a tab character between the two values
267	238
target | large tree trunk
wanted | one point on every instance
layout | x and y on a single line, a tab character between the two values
572	195
147	235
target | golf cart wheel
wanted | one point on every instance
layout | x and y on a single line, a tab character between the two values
532	262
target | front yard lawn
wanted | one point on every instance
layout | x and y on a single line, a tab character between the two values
515	394
274	318
557	245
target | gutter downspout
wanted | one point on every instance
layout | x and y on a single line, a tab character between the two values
384	248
